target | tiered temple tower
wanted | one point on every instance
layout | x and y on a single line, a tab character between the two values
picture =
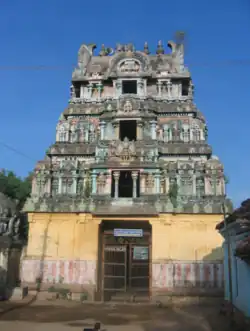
130	173
131	135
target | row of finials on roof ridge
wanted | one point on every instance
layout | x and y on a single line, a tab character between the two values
106	51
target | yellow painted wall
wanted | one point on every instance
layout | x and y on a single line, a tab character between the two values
186	237
68	236
75	236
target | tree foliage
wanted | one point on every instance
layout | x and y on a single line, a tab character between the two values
15	187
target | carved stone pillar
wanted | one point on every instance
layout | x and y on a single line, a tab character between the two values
86	132
72	92
190	90
202	135
108	183
94	187
116	128
140	87
157	184
74	185
118	88
81	91
214	185
102	128
166	184
99	89
143	183
116	178
4	253
139	130
153	129
90	90
159	87
223	186
179	90
194	185
207	185
169	89
48	189
60	184
84	178
134	177
178	180
191	135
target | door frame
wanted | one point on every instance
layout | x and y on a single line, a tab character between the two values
101	261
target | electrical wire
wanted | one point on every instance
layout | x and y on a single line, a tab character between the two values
16	151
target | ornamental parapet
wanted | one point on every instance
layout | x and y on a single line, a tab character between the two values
108	205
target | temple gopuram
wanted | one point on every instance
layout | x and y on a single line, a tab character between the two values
125	202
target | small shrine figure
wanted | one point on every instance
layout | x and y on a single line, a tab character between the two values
127	106
160	49
146	49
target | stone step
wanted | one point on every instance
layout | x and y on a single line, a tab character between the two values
126	297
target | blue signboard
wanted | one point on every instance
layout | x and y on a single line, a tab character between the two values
128	232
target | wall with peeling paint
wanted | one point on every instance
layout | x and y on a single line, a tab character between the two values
186	251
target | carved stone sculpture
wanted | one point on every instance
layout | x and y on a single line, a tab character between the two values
129	66
149	156
146	49
101	183
160	49
105	50
112	149
127	106
84	57
126	150
10	226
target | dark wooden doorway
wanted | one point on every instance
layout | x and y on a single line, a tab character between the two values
126	265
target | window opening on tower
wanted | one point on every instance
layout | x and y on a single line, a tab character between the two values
184	88
129	87
128	129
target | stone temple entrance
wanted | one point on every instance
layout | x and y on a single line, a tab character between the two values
125	261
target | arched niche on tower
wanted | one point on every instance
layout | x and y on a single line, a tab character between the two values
62	131
129	63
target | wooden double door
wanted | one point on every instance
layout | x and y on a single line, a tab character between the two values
125	266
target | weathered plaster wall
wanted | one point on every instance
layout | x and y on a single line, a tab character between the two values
62	248
240	272
187	254
186	250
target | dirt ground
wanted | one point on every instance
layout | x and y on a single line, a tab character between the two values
64	315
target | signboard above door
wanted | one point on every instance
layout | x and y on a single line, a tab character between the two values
128	232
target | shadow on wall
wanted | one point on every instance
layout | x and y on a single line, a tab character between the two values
215	255
5	292
40	274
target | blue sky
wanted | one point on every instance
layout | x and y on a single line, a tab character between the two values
49	33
